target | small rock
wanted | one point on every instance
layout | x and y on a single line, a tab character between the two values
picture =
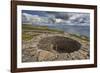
64	56
73	56
84	53
85	49
46	56
33	53
77	56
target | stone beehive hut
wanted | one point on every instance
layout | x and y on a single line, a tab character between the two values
59	44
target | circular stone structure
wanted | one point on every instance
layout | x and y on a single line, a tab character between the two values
59	44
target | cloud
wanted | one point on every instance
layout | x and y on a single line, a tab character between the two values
26	17
59	15
80	18
67	18
70	18
36	19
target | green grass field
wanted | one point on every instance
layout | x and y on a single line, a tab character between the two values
80	37
44	29
29	27
41	28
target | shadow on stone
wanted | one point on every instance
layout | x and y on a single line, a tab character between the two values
59	44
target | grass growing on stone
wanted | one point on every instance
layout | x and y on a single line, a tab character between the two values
26	37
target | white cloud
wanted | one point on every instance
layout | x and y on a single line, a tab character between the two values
74	19
75	16
58	20
35	19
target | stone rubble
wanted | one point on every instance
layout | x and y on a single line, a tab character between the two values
31	52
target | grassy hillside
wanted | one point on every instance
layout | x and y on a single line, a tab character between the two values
41	28
80	36
29	28
33	29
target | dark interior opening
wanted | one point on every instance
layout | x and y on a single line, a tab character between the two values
59	44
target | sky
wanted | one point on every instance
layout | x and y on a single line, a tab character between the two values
70	18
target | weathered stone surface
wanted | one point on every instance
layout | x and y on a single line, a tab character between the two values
85	49
73	56
29	54
46	56
54	49
84	53
77	55
64	56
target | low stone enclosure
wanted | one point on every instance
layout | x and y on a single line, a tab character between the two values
59	44
55	47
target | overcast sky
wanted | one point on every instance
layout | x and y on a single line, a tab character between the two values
67	17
